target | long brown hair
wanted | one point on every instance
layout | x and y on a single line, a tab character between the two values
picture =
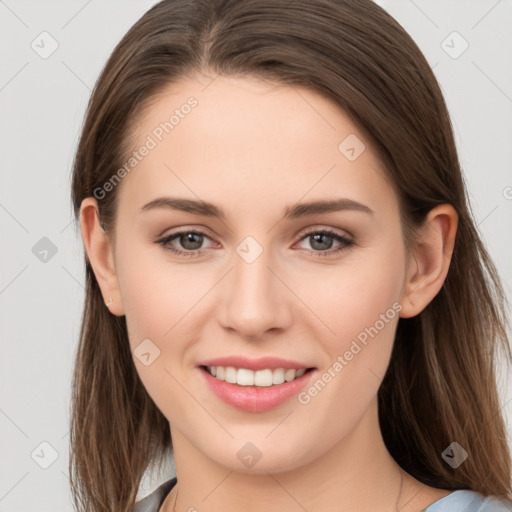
441	383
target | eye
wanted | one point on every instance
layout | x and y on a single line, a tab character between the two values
323	240
191	241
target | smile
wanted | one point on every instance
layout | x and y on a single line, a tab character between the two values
255	390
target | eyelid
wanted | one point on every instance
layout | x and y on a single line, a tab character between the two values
319	228
199	228
203	230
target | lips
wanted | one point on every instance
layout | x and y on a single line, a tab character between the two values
254	398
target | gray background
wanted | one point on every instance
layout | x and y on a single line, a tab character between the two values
42	102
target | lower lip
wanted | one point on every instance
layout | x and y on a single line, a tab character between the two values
253	398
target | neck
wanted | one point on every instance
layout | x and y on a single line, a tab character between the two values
357	473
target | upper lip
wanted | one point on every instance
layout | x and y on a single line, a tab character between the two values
254	364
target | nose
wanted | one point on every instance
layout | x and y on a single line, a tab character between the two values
254	300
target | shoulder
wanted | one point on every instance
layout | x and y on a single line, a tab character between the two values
469	501
153	501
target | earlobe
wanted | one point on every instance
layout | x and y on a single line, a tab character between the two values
99	252
430	260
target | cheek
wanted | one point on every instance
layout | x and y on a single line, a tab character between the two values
360	303
156	294
352	297
156	298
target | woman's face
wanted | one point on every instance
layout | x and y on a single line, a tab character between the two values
261	280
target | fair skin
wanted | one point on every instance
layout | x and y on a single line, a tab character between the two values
253	148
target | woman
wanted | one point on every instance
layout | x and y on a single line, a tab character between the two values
283	274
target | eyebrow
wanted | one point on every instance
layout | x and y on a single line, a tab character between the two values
198	207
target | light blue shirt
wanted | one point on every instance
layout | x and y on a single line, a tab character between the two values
468	501
456	501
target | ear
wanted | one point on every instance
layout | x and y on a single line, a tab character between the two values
429	260
99	251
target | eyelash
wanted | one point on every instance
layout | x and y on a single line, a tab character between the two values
346	243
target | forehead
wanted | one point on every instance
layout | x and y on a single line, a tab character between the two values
260	140
250	112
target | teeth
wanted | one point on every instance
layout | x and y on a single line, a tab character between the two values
260	378
230	375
